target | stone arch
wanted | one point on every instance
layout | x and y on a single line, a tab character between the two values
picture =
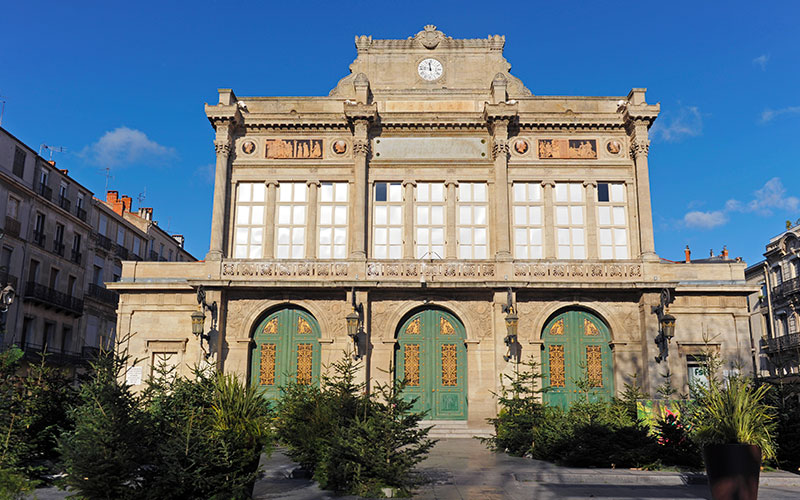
409	307
252	312
555	308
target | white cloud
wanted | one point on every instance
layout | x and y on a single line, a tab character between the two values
771	196
762	61
205	174
124	146
688	122
770	114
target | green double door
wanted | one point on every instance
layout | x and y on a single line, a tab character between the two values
285	349
431	356
577	361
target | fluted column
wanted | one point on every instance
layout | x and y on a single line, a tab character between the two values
269	230
451	247
358	233
311	220
499	116
223	148
640	147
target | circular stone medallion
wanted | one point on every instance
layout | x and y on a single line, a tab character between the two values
613	147
248	147
339	147
521	146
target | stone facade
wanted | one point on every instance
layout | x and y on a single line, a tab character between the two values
431	179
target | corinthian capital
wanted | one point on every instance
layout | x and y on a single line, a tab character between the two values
640	147
222	148
500	147
361	147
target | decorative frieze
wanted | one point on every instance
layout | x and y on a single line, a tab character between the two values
577	272
568	149
429	270
256	270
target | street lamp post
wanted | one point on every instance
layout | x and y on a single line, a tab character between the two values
666	324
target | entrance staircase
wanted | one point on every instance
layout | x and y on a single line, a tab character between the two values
455	429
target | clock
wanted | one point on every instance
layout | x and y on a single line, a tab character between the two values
430	69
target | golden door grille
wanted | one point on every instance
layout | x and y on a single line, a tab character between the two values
557	375
267	376
449	365
304	363
411	364
594	365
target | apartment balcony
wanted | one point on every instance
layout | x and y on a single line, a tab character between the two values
787	288
135	257
80	213
34	352
122	252
103	294
50	298
153	256
58	248
103	242
39	238
45	192
12	227
786	342
7	279
76	256
64	203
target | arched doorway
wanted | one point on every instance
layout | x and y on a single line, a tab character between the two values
285	349
577	360
432	357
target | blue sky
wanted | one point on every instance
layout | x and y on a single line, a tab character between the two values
122	85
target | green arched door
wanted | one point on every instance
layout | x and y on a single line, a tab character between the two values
285	349
577	360
432	357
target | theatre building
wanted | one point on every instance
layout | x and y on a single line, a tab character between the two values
435	191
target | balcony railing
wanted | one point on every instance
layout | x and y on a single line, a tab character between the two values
153	256
787	288
39	238
133	256
32	351
103	242
122	252
53	298
7	279
12	226
81	213
45	191
58	248
103	294
76	256
64	203
783	343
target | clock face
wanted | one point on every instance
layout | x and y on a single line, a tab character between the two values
430	69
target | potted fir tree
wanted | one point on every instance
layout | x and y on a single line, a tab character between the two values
734	425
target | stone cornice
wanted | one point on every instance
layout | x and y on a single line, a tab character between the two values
224	114
501	111
644	114
358	111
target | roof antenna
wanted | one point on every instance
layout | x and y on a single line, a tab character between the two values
142	196
52	149
2	108
108	175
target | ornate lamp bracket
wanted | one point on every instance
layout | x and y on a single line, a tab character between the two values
197	322
666	323
512	320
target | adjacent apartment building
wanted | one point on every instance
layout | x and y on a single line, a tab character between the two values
59	246
433	191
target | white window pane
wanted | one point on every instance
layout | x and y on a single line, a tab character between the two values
437	236
604	216
381	215
423	191
578	252
620	237
561	192
326	236
380	252
300	190
255	252
395	192
339	252
298	235
520	216
341	191
324	252
299	215
606	253
465	192
479	252
575	192
241	252
283	235
257	216
521	236
617	192
480	215
519	192
536	236
256	236
563	236
437	192
479	192
244	191
340	236
562	216
605	237
284	215
534	192
395	215
259	191
395	236
480	236
283	252
395	252
244	215
437	251
381	235
535	216
622	252
535	253
465	236
619	216
241	236
285	192
465	215
326	215
422	215
422	236
563	252
577	215
521	252
577	236
341	216
437	215
464	252
326	192
297	252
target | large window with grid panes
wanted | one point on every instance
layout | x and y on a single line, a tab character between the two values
290	226
527	219
429	220
569	205
387	220
612	221
250	216
332	226
472	225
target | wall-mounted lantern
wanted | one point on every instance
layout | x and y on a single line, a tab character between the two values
7	297
666	324
355	327
199	318
511	339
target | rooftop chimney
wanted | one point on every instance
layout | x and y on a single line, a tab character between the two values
688	254
725	252
52	163
64	171
179	238
126	201
111	196
146	213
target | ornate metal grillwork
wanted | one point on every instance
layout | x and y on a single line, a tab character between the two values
557	328
304	363
267	364
271	328
411	364
557	375
594	365
449	365
303	327
589	328
445	328
413	327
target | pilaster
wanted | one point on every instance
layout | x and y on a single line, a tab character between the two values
408	219
360	116
548	220
223	148
450	251
591	241
269	230
499	117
